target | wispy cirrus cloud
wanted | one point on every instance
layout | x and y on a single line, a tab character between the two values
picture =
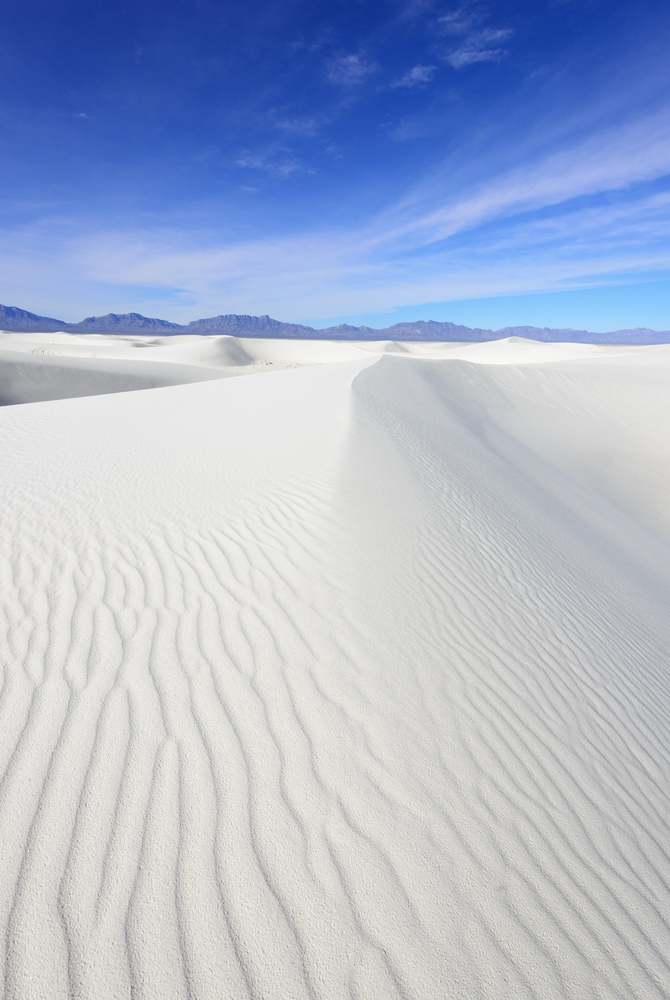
609	159
597	206
276	162
297	125
418	76
477	43
330	273
350	70
334	273
481	46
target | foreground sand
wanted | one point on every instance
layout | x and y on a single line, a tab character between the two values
347	681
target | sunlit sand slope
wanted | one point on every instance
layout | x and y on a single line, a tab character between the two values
347	682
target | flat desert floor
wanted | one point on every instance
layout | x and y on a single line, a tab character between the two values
334	671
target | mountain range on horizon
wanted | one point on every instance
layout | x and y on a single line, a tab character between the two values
15	320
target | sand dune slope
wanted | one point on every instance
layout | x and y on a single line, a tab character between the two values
35	378
349	682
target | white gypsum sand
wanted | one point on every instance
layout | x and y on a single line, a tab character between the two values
348	681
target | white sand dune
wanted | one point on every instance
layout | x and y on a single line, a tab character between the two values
347	682
33	378
35	367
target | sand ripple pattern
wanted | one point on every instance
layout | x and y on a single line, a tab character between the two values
315	686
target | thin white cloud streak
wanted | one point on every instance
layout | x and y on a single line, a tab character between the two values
416	77
277	163
611	160
349	71
297	126
478	44
481	46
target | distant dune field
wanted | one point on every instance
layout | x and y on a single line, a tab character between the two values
347	681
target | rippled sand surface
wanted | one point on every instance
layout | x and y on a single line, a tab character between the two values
352	681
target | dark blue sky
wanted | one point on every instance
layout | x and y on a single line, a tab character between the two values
348	160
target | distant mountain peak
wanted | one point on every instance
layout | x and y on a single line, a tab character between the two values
13	319
21	321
